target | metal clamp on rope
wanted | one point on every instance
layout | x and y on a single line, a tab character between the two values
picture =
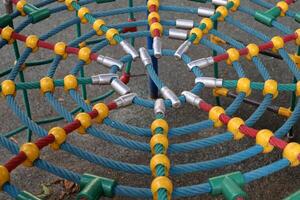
120	87
103	79
205	12
191	98
182	49
145	57
169	94
157	47
184	23
159	107
219	2
125	100
201	63
128	48
109	62
210	82
178	34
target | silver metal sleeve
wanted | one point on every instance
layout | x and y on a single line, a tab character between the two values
205	12
219	2
103	79
182	49
159	107
184	23
210	82
201	63
191	98
128	48
120	87
169	94
125	100
145	57
157	47
178	34
109	62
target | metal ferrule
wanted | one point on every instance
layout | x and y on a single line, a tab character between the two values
219	2
210	82
120	87
145	57
205	12
157	47
125	100
191	98
201	63
184	23
178	34
169	94
159	107
103	79
182	49
109	62
128	48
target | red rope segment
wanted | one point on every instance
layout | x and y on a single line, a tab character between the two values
18	159
262	47
251	132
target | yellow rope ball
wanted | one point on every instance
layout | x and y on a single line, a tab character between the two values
223	12
284	7
8	88
297	32
7	33
160	123
4	176
198	32
208	24
157	26
85	121
159	139
160	159
291	152
70	82
153	15
81	14
271	87
60	49
253	50
110	34
97	26
84	55
20	7
60	136
32	42
277	42
233	127
263	139
69	5
236	5
102	110
214	114
233	55
47	85
244	85
32	153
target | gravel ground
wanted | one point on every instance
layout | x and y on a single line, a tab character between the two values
174	74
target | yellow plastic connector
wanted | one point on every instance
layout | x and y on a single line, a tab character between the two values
160	123
60	49
216	40
60	137
152	2
4	176
81	14
284	7
220	92
296	59
198	32
298	38
233	55
32	42
263	139
153	15
8	88
160	159
298	88
244	85
291	152
69	4
236	5
7	33
159	139
223	12
47	85
253	50
285	112
277	42
159	183
208	24
271	87
20	7
97	26
214	115
233	127
156	26
102	110
32	153
84	55
85	121
110	34
70	82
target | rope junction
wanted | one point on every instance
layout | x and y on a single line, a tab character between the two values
82	118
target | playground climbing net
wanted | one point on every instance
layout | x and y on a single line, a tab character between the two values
192	33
